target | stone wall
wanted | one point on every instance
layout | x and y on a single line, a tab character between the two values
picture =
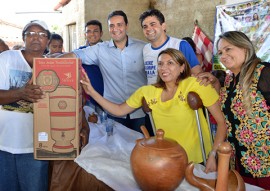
180	16
73	15
100	9
80	11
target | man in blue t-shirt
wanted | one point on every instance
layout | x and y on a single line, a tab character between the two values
154	29
93	34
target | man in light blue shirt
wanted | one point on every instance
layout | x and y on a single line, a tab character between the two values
121	63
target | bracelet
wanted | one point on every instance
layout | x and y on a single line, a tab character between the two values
214	153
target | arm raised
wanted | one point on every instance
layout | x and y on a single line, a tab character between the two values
113	108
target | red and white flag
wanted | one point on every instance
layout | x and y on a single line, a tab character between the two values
204	47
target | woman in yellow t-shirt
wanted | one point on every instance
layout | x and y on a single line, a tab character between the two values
168	101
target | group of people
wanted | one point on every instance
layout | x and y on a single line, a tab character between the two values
159	72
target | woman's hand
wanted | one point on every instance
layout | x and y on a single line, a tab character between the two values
211	164
86	84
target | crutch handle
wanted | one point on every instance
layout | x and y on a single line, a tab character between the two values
147	110
194	101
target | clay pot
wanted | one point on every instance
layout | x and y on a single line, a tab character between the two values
158	163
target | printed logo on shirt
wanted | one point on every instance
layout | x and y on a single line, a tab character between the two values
18	79
151	70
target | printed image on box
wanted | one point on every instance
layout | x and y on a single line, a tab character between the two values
57	117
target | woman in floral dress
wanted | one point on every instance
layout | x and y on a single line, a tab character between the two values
245	101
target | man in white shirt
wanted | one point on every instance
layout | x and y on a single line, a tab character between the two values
19	169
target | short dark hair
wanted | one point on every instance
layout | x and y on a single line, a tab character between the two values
118	13
55	36
191	42
94	22
152	12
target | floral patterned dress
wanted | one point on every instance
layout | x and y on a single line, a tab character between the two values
249	136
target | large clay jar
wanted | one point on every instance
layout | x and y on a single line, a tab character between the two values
158	163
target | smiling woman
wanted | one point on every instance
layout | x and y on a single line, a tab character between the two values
167	100
245	102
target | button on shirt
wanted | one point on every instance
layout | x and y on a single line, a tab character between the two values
122	70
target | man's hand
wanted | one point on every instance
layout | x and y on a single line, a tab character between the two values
206	78
31	93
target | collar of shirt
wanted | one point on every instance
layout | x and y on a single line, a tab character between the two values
112	43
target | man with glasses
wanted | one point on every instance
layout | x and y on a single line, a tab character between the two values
121	63
19	170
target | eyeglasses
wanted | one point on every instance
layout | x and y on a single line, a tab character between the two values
39	34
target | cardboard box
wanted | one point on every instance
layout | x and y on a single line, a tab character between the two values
58	117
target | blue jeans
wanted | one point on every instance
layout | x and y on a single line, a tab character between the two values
21	172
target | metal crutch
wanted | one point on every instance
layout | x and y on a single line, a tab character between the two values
148	111
209	126
195	102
